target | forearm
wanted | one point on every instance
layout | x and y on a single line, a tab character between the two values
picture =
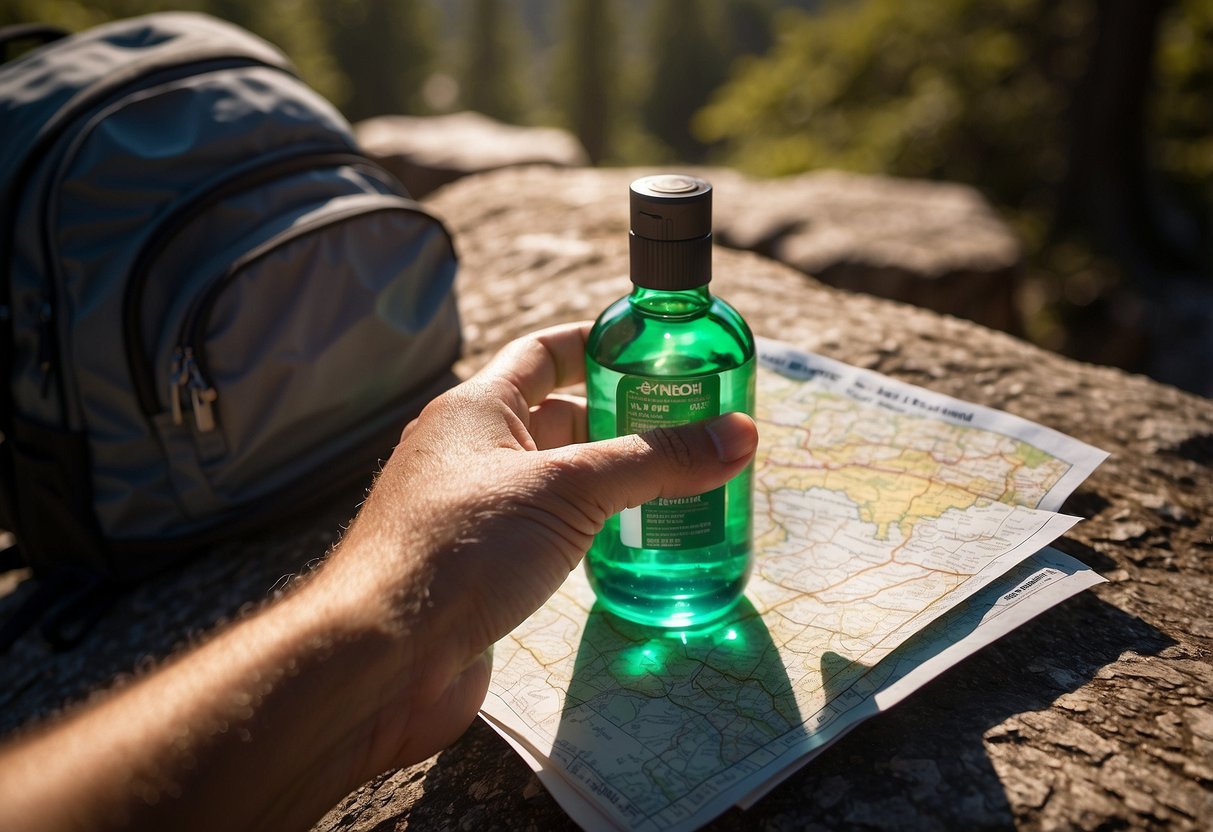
379	660
267	725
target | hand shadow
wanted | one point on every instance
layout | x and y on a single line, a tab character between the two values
925	765
928	763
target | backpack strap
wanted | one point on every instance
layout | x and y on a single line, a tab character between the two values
77	612
28	613
11	559
8	476
39	33
36	34
67	604
8	471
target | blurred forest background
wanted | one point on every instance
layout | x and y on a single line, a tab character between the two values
1087	123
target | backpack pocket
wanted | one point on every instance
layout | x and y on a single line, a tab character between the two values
323	306
249	368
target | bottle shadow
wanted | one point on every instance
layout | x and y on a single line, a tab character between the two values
931	762
672	710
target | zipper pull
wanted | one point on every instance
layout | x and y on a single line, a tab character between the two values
46	315
204	413
202	395
176	380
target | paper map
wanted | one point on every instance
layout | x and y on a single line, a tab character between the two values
895	532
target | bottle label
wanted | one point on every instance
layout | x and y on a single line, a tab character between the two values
644	403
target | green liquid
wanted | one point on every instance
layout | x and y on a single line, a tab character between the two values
682	334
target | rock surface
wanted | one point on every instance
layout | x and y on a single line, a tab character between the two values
936	245
427	152
1096	715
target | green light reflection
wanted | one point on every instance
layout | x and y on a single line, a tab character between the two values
654	650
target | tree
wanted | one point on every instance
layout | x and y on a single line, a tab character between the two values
688	64
746	28
386	50
970	90
489	80
1111	193
585	69
1180	118
1050	107
295	27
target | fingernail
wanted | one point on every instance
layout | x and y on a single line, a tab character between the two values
734	436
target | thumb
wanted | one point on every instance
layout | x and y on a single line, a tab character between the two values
614	474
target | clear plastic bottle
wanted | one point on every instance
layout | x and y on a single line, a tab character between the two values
667	354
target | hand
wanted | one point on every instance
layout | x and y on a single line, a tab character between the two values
379	660
490	500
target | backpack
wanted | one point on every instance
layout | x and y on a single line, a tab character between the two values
212	304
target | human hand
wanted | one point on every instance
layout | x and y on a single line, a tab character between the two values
490	500
379	660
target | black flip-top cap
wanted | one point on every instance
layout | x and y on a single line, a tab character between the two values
671	232
671	207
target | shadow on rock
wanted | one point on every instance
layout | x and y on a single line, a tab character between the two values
160	615
924	765
476	783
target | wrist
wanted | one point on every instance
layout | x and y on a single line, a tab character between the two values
372	602
367	663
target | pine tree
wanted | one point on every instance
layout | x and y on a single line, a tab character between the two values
386	49
297	28
747	27
688	65
585	71
489	79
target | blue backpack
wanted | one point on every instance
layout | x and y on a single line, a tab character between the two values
211	302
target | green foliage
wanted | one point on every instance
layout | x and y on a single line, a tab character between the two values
990	92
367	56
489	79
690	47
585	72
67	14
1183	108
968	90
295	27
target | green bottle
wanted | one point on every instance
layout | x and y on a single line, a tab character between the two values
667	354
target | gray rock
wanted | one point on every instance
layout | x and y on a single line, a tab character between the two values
1058	725
936	245
427	152
932	244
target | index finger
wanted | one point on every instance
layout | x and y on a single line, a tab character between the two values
541	362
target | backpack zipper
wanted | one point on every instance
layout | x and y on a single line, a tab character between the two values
240	181
90	100
191	371
185	375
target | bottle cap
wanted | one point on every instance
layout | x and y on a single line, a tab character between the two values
671	232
